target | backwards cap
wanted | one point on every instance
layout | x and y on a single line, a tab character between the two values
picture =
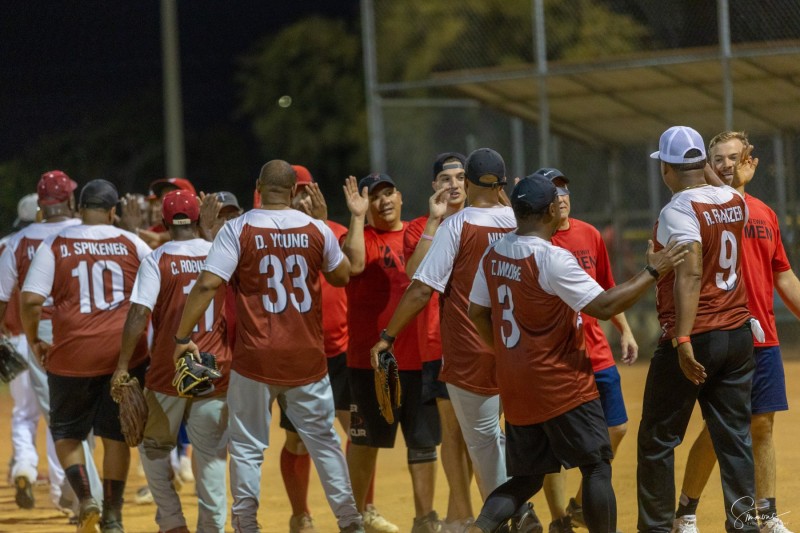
180	202
676	142
485	162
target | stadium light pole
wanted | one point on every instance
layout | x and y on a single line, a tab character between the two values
540	49
377	146
724	24
173	105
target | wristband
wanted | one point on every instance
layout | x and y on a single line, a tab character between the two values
426	237
677	341
388	338
652	271
184	340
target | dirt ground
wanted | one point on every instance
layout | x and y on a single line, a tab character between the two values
393	492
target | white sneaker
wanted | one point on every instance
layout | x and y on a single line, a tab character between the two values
685	524
457	526
185	470
773	525
374	522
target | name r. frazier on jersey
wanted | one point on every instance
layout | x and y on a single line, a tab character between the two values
724	216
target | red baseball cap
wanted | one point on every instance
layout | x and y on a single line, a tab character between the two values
55	187
303	175
158	186
180	202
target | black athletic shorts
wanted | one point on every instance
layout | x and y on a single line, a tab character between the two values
432	388
419	420
79	405
577	437
338	374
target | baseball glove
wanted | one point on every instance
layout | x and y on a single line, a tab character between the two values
11	361
193	378
127	392
387	385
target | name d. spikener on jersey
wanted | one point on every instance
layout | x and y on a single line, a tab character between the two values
95	248
724	216
283	240
191	266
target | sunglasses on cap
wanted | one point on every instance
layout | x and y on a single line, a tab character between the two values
562	191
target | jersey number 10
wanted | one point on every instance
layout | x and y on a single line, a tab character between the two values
95	290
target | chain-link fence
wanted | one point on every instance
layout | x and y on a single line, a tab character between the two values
605	77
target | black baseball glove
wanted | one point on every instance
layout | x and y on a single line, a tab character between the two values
387	385
11	361
193	378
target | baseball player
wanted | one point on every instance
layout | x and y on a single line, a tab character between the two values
468	364
56	203
764	267
164	280
448	198
88	269
274	257
524	303
378	281
586	244
706	348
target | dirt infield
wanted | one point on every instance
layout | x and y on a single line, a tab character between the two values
393	492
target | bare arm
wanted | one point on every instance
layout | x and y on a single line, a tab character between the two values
339	276
788	287
30	313
630	350
482	318
135	323
437	206
353	245
414	300
688	277
196	303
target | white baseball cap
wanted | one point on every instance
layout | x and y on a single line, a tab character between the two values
26	209
674	144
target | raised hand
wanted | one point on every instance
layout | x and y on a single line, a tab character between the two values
314	204
210	223
666	259
357	201
437	203
745	167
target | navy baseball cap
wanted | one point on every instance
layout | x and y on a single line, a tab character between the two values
440	165
484	163
552	174
373	180
99	194
536	191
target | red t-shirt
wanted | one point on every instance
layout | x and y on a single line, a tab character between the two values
334	308
586	244
714	217
763	255
372	297
163	283
428	332
89	270
534	291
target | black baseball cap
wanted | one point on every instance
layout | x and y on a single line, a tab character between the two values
536	191
439	164
373	180
486	162
99	194
550	173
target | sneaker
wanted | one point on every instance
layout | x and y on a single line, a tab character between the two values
456	526
111	521
143	496
773	525
526	521
575	512
685	524
185	470
89	516
301	523
374	522
427	524
353	528
24	496
562	525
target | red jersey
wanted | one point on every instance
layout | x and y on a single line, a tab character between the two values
334	308
586	244
274	259
763	256
714	217
164	281
372	297
89	270
534	291
449	267
429	337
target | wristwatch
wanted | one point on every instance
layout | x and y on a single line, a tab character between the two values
677	341
388	338
652	271
184	340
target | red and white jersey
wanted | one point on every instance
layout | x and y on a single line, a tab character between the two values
11	320
762	258
89	271
535	291
274	259
586	244
163	283
19	252
334	308
714	217
449	267
429	336
372	297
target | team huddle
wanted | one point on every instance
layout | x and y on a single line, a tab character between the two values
489	305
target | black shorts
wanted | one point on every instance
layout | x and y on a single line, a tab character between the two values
79	405
432	388
419	420
338	374
575	438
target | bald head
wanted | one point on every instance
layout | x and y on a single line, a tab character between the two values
276	176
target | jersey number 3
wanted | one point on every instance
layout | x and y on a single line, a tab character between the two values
509	330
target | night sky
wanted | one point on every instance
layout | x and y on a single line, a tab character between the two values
62	61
